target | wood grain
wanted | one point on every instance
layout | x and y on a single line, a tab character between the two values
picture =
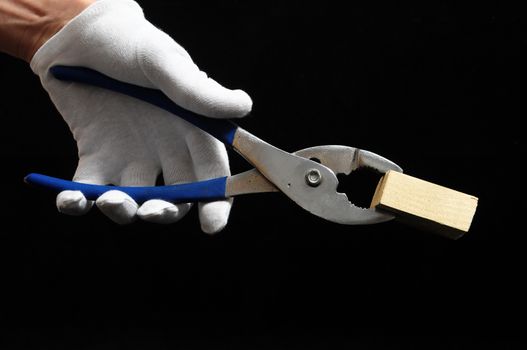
427	205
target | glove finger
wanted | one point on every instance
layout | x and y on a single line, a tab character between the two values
210	160
181	80
162	212
119	206
176	168
214	216
73	203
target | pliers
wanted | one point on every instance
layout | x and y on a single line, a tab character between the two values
307	176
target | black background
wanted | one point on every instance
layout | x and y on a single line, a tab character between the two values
436	87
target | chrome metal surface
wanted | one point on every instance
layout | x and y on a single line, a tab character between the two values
251	181
287	172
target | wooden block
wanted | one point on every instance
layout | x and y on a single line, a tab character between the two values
415	201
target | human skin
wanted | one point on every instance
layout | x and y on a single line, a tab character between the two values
25	25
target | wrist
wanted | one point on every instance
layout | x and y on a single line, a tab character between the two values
28	24
53	23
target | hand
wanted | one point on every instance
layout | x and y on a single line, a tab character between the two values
126	142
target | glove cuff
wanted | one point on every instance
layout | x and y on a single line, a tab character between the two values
56	50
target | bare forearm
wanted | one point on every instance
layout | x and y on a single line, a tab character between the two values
25	25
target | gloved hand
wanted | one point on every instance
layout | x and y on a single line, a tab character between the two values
123	141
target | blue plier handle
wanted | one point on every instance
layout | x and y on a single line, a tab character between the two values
223	130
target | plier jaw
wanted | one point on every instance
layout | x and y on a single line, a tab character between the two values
344	160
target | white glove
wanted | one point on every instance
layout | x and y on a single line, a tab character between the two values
123	141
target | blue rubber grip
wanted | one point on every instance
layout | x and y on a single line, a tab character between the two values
201	191
223	130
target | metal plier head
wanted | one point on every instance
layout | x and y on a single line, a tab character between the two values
344	160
